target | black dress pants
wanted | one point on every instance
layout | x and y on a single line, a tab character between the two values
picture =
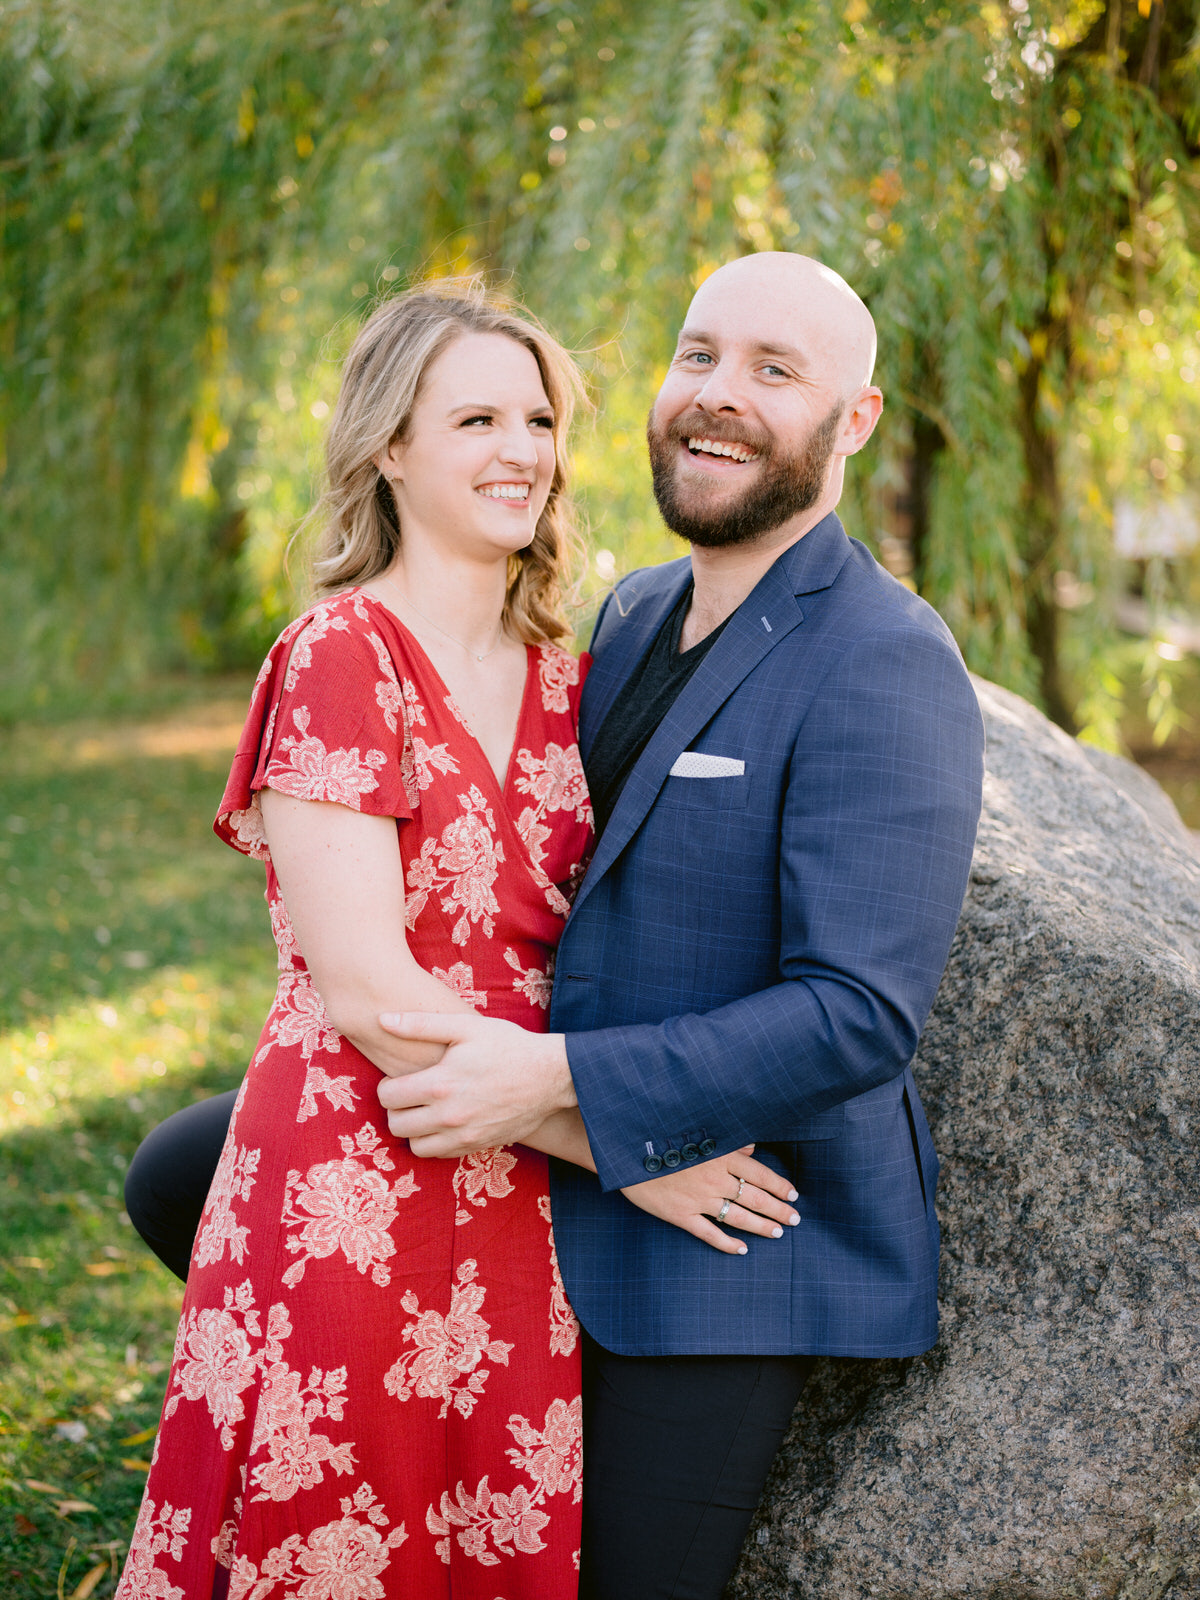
676	1448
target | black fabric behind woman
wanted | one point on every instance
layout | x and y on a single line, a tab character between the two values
168	1182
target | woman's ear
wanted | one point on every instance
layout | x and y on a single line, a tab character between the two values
391	461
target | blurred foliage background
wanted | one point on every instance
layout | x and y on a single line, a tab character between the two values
198	202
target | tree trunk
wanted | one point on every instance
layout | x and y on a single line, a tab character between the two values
1043	522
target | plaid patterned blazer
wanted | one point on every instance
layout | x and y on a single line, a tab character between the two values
753	953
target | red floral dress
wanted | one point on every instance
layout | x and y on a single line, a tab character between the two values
375	1389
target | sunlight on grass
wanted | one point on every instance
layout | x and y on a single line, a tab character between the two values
139	967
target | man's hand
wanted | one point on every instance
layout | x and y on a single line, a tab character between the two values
494	1084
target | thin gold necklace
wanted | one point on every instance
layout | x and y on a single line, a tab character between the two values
439	629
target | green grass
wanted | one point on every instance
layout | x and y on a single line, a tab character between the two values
138	967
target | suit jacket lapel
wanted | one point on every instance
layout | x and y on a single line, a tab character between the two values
642	608
766	617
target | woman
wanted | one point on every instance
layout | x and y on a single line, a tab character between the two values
375	1389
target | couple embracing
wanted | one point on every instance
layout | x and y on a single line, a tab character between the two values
583	1119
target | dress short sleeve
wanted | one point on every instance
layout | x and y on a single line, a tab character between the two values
326	722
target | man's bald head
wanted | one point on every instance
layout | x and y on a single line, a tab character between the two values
799	302
767	394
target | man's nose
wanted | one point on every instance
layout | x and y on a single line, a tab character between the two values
721	393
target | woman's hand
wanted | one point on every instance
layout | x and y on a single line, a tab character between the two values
692	1197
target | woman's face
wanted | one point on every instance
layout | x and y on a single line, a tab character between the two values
475	467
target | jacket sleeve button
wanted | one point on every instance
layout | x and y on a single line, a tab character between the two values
707	1147
652	1163
671	1158
690	1152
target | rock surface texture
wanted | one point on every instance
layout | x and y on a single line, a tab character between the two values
1050	1445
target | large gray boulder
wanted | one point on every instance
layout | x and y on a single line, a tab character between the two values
1050	1445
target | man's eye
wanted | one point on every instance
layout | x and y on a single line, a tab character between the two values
700	355
775	372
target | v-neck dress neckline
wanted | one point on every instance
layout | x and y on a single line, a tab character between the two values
452	705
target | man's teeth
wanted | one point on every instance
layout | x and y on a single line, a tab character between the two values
718	447
505	491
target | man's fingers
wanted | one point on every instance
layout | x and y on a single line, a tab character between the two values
435	1027
404	1094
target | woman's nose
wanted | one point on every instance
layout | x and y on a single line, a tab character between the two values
518	448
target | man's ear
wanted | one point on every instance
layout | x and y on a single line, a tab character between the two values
858	423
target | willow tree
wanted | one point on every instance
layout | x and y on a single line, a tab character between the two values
185	218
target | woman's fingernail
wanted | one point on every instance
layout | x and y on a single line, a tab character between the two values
793	1220
741	1250
792	1196
777	1233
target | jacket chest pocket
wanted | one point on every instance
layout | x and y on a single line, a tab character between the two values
708	794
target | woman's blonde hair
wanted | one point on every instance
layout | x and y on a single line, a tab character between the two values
360	533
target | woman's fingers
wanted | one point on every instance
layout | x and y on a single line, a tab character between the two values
754	1199
765	1178
708	1233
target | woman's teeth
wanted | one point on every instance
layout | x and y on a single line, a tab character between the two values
717	447
505	491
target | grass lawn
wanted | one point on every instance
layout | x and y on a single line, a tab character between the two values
138	968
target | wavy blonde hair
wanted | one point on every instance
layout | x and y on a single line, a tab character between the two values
359	529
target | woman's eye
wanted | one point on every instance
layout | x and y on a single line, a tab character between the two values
470	422
542	422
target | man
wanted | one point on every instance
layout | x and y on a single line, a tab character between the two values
785	756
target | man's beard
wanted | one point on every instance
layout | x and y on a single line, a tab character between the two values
784	485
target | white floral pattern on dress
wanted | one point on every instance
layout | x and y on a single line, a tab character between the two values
284	1417
313	772
534	834
299	1020
461	979
564	1325
157	1533
552	1456
233	1180
558	671
286	943
445	1364
341	1560
215	1360
555	780
465	863
482	1176
532	982
344	1205
247	828
419	761
323	620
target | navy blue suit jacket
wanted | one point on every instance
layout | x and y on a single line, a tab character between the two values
752	958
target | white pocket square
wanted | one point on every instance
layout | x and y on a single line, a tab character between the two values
695	764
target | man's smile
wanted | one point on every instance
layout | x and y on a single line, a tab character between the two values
722	447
